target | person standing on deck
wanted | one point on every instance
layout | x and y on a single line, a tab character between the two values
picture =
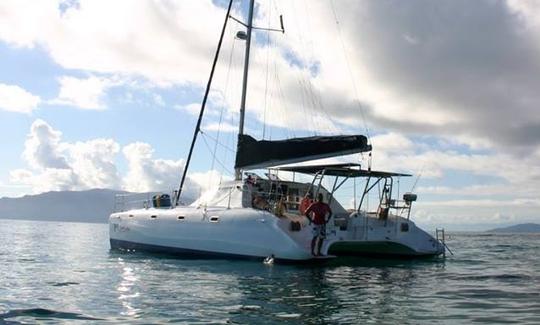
317	213
305	203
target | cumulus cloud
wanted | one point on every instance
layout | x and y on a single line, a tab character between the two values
15	99
58	165
456	69
223	127
148	174
192	108
85	93
49	179
42	147
161	40
94	162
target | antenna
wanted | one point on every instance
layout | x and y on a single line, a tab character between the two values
418	177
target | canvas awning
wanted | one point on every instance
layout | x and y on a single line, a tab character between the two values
342	170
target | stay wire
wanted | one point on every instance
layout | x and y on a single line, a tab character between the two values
203	105
203	136
338	26
223	106
267	68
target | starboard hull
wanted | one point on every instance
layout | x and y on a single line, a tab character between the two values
383	249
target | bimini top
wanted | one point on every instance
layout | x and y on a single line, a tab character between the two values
344	170
253	154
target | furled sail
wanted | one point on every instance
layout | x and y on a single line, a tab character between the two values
252	154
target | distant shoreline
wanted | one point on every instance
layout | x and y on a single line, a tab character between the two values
529	228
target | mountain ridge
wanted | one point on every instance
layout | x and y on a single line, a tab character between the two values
94	205
519	228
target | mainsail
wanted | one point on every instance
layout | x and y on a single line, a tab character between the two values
252	154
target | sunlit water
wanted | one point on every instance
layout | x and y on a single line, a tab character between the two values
64	273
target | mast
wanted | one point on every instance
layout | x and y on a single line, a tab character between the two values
203	105
249	26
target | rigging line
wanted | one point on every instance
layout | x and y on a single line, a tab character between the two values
214	154
317	98
204	135
203	105
317	106
223	106
314	93
309	95
273	92
282	98
215	140
267	64
306	112
338	26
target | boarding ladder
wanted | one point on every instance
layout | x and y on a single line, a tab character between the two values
441	238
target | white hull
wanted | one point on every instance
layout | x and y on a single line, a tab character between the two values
224	232
250	233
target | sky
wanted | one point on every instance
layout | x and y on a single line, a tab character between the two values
101	94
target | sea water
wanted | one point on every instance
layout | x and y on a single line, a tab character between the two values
53	272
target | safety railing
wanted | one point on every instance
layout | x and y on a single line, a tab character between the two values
130	201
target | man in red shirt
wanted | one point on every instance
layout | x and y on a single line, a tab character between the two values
316	214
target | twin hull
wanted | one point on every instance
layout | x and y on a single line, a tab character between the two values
250	233
212	232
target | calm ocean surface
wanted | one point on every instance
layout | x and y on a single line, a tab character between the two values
54	272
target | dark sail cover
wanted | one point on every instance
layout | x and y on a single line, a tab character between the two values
253	154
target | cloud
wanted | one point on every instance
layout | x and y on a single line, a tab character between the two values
49	179
15	99
392	142
42	147
24	22
192	109
94	162
418	68
459	79
223	127
57	165
160	40
147	174
85	93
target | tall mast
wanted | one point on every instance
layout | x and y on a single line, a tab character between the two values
249	27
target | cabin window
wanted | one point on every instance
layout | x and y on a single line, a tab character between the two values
214	219
404	227
131	216
153	217
181	217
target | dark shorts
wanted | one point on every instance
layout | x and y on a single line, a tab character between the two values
319	231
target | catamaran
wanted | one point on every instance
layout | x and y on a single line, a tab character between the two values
259	217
